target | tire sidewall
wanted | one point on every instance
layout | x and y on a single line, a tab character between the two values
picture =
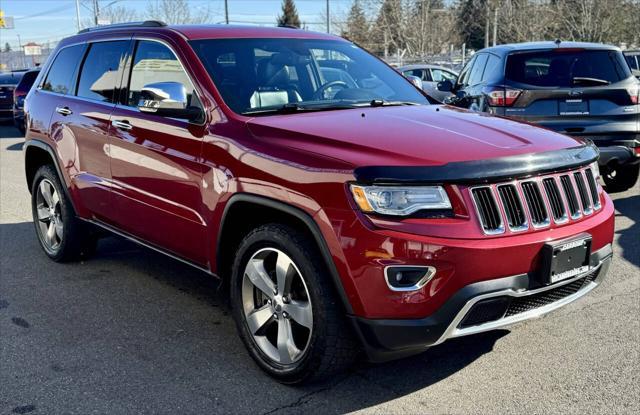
260	239
66	212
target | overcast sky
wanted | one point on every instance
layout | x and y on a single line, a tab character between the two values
51	20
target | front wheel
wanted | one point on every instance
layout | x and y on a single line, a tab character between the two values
285	307
621	178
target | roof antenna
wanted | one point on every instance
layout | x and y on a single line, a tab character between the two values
557	42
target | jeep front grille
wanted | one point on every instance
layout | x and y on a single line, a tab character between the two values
535	201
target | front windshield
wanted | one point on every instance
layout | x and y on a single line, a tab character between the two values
262	76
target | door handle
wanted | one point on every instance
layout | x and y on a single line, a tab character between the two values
64	111
123	125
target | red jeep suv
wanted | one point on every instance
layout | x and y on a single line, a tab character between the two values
343	210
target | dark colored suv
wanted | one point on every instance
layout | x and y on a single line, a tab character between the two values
580	89
633	59
8	83
341	210
19	94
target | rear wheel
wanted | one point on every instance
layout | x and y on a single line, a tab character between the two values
61	234
621	178
285	308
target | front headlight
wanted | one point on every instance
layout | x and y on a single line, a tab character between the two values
399	201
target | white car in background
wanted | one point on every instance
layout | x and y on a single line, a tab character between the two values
430	76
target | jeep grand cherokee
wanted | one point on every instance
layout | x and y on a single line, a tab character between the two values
340	207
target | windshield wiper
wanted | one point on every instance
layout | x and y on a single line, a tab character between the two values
585	80
293	107
384	103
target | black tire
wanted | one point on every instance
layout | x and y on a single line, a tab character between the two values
331	348
621	178
78	239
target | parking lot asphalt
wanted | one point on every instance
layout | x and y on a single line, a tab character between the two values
130	331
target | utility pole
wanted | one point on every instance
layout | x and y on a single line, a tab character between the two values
495	26
328	19
226	11
486	28
96	12
78	14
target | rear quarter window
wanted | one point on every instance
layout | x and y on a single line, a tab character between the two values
567	68
61	76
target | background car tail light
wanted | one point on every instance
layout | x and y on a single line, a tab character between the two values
634	93
502	97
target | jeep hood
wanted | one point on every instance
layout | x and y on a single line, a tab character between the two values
406	135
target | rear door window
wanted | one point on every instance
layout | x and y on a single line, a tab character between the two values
102	70
567	68
475	77
61	76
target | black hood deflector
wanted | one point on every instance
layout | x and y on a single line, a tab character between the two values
481	171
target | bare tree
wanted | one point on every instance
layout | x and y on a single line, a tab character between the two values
177	12
119	14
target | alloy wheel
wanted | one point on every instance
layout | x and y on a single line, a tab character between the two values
277	306
50	225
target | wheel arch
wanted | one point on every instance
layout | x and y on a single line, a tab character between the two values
37	154
245	211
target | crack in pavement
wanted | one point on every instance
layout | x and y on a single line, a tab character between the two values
307	397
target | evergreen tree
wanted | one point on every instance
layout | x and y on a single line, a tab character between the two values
357	29
7	47
471	17
289	16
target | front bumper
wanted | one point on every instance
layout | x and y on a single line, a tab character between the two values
476	308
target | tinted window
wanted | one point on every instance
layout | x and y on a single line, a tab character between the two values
464	75
633	63
154	62
28	79
566	68
61	76
262	75
493	68
478	69
100	74
10	78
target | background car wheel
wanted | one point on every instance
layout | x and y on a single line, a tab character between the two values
285	307
61	234
621	178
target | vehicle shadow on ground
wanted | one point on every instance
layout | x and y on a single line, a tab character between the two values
208	349
629	239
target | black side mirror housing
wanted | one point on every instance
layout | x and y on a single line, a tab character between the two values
191	113
445	86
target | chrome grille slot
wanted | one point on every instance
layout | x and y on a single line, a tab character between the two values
535	203
570	195
582	191
593	188
555	200
516	218
488	212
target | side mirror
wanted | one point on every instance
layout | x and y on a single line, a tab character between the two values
168	99
415	81
445	86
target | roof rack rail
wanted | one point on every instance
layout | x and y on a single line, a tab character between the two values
146	23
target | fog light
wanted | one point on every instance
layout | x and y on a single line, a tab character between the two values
407	277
